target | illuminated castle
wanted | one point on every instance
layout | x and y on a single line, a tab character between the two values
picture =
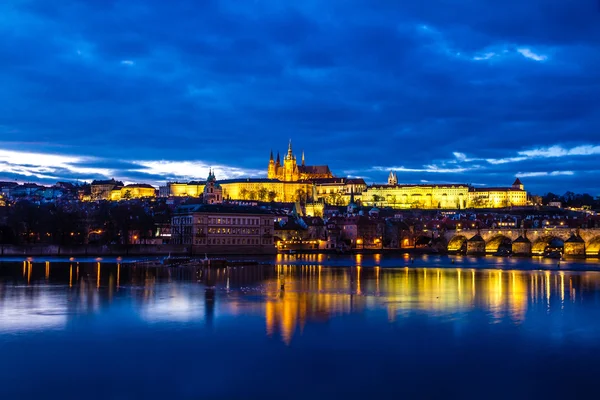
290	171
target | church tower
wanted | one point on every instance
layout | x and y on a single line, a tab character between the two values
290	167
392	178
213	193
271	172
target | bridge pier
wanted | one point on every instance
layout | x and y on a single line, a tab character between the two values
575	246
476	245
521	246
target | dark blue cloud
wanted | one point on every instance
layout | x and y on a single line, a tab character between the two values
357	84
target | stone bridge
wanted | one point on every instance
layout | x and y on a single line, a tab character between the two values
578	242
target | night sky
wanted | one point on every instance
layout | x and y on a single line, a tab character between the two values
466	91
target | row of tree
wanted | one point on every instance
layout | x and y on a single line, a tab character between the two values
104	223
571	199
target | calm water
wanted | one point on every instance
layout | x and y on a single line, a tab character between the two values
343	327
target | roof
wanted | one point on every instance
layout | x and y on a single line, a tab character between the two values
497	189
315	169
107	182
433	185
290	225
517	182
8	184
219	209
340	181
140	185
249	180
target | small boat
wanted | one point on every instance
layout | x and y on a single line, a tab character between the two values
553	254
503	252
171	261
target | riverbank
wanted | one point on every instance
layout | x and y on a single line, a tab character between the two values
138	250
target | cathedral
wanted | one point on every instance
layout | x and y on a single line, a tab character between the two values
290	171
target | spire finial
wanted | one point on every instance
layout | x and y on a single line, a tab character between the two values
303	158
271	158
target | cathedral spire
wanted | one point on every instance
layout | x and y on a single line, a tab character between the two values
303	158
289	153
271	158
278	159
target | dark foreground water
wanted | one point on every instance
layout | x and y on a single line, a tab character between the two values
472	329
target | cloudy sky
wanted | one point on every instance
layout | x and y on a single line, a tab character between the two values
470	91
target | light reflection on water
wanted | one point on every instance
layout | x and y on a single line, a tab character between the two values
287	296
291	302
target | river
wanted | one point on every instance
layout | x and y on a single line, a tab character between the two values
310	326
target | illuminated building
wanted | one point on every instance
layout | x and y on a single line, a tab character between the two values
134	191
449	196
190	189
101	190
213	193
497	197
217	227
417	196
316	185
290	171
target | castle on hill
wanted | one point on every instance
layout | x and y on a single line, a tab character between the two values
290	171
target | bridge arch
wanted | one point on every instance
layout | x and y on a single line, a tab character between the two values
592	247
545	242
457	243
498	242
423	240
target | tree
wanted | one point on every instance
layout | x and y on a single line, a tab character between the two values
300	195
336	199
127	194
244	194
252	195
377	198
262	193
271	195
393	200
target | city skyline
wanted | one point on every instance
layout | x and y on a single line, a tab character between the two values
466	93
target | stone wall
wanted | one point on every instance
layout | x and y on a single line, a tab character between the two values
124	251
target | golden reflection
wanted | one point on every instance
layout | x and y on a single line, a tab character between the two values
118	274
98	276
24	268
71	275
547	285
459	286
47	270
399	291
562	289
29	267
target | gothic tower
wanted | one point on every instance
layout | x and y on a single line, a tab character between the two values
290	168
392	178
271	172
